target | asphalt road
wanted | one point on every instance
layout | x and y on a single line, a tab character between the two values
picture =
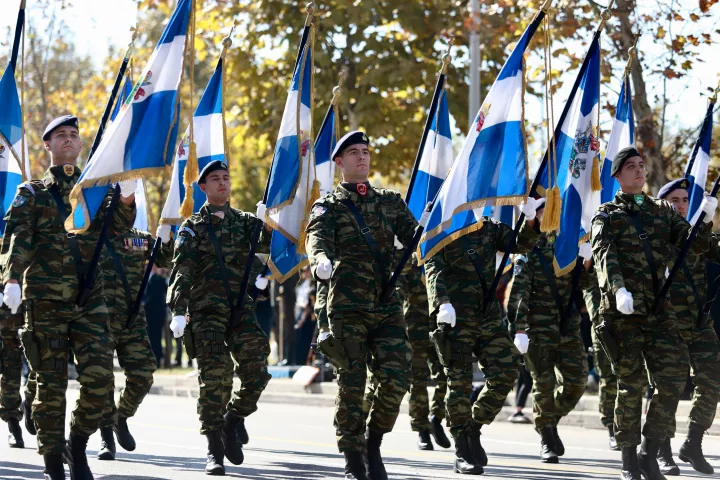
297	442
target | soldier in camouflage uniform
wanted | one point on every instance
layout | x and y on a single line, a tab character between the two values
550	334
205	291
632	239
457	294
350	245
607	391
123	267
425	418
46	260
688	294
11	407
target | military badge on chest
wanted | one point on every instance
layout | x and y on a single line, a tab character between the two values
362	189
135	244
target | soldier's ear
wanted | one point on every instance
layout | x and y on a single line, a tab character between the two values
47	145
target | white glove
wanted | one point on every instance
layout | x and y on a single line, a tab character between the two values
709	205
1	299
260	212
446	314
398	245
424	218
163	233
177	325
522	342
12	296
585	251
261	282
322	336
127	187
324	269
528	208
624	300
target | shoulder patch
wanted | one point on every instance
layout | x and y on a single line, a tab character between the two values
318	209
19	201
27	186
187	230
601	214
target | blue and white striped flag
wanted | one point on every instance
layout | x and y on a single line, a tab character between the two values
578	147
123	95
324	146
622	135
435	162
697	167
491	168
293	186
141	217
210	143
141	139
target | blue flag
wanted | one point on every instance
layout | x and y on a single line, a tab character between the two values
324	146
697	167
622	135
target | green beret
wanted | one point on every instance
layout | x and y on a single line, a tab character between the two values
623	156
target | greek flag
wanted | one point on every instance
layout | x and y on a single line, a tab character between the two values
324	146
436	160
141	217
293	186
622	135
210	143
697	167
577	148
141	139
491	169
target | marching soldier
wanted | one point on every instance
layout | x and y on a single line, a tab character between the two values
547	332
350	245
211	253
11	406
123	267
457	281
688	294
52	266
632	240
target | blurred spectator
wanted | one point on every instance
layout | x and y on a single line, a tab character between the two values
524	386
305	316
286	323
156	310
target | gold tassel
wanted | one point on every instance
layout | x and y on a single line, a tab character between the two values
595	184
553	208
313	197
191	176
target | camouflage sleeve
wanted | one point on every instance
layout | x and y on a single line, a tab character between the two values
609	275
320	241
321	307
164	256
181	277
263	245
435	281
405	223
520	293
680	229
18	240
526	239
713	253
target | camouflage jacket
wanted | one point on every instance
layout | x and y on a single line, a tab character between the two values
532	303
321	307
620	260
196	284
132	249
38	252
451	275
357	279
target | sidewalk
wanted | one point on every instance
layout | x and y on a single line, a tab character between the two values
284	390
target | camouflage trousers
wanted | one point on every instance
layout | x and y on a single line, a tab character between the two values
58	325
379	338
137	361
11	358
559	371
657	341
425	365
214	344
499	361
607	391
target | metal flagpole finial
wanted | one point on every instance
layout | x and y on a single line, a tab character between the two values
447	58
310	8
606	14
546	6
227	41
714	96
337	90
632	55
135	30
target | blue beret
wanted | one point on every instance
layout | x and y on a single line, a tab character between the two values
64	121
352	138
669	187
211	167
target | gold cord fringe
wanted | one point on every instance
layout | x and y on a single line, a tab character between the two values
191	176
553	207
595	183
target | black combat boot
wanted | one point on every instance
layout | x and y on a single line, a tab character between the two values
424	441
54	469
215	456
436	430
375	467
124	437
233	449
612	442
241	432
107	444
665	459
355	466
630	464
547	446
476	447
15	439
559	447
647	456
27	413
464	460
76	457
691	450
